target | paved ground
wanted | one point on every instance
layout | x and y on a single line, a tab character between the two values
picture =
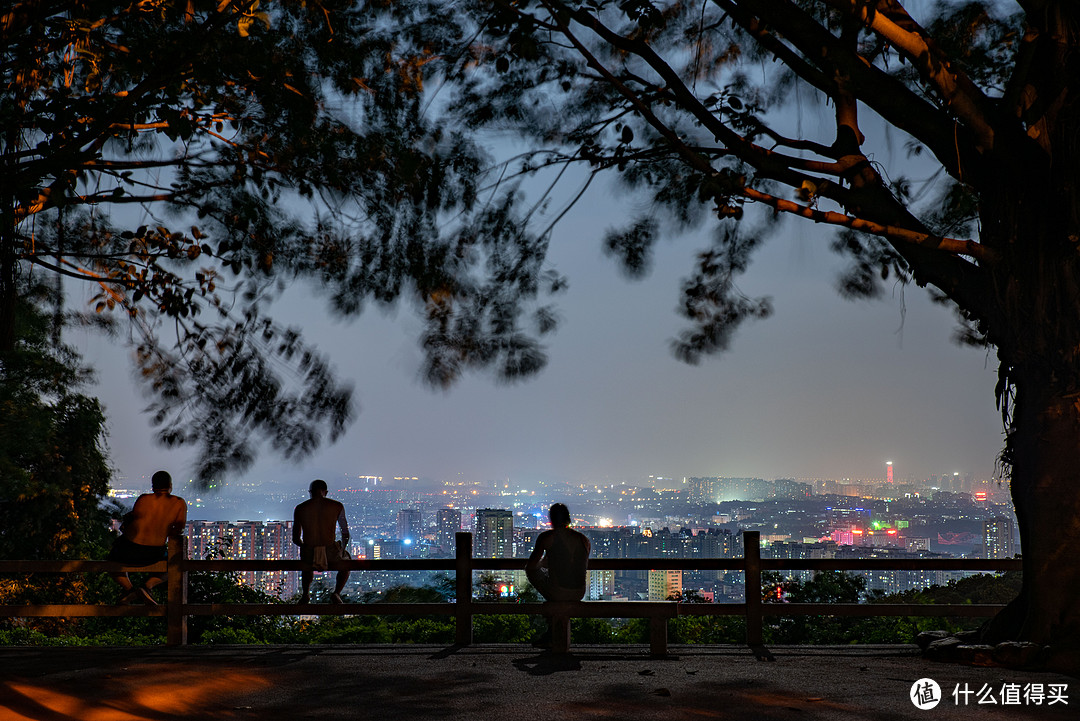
504	682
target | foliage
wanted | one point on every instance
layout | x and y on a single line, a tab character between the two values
980	588
193	159
591	631
825	587
53	468
678	101
707	629
505	628
688	106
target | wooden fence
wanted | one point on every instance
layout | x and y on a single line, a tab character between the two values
177	610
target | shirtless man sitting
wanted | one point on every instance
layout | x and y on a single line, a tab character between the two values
146	530
558	563
313	530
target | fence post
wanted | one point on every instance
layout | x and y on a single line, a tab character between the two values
658	635
463	570
752	555
176	580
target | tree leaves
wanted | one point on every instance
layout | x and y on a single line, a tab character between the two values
250	120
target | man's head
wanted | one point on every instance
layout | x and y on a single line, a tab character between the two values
559	515
317	489
161	481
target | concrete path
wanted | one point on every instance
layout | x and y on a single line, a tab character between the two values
284	683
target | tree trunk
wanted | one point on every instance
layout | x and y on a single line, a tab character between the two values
8	262
1045	452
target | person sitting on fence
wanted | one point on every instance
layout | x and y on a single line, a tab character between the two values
145	532
313	531
558	563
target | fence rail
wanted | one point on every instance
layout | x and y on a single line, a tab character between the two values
177	610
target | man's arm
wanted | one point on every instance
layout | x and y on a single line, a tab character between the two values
296	526
542	543
343	524
176	528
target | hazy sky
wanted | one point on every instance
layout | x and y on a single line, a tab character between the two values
824	388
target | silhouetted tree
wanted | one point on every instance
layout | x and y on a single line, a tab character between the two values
191	159
684	103
54	471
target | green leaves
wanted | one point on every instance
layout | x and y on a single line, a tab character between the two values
53	469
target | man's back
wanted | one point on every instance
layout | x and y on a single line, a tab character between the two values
154	518
567	556
315	519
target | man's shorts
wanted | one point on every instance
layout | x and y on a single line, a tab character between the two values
330	556
541	580
136	554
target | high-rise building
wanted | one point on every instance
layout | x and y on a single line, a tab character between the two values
998	537
409	525
599	584
701	490
494	533
447	525
917	544
664	584
888	472
248	540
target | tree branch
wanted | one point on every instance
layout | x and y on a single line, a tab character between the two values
956	89
902	235
886	95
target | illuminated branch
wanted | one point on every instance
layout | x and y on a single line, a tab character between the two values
953	246
885	94
960	94
81	273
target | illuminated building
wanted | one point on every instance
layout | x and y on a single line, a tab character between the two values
447	525
847	519
998	538
494	533
599	584
843	538
249	540
409	525
664	584
701	490
917	544
888	472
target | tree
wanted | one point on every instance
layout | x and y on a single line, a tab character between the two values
684	102
824	587
291	139
54	470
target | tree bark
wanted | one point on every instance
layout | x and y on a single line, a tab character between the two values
8	262
1045	452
